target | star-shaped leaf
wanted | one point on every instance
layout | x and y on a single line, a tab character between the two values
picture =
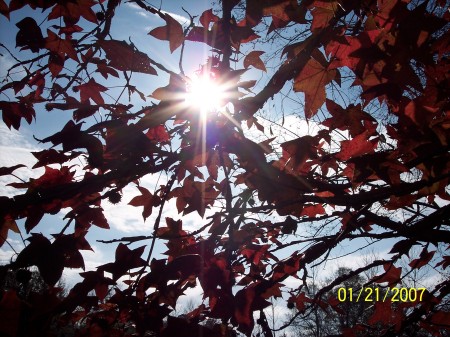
126	259
61	47
312	81
146	199
124	57
172	32
91	90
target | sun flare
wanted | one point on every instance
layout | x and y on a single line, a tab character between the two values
205	94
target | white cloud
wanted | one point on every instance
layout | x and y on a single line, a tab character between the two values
16	149
139	11
128	219
180	18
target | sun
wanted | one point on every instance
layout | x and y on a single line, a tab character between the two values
205	94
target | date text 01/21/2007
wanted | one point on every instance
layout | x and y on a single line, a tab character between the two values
376	294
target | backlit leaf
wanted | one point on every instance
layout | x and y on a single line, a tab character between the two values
124	57
91	90
172	32
391	275
253	59
423	259
146	199
60	47
207	17
312	81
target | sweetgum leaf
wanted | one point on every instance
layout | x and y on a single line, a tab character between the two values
124	57
312	81
13	112
29	35
253	59
423	259
60	47
207	17
91	90
126	259
172	32
146	199
6	224
391	276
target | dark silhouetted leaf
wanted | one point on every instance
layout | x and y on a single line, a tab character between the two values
147	200
124	57
29	35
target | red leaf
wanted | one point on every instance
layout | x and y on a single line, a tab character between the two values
441	318
239	35
126	259
322	13
34	216
158	134
4	10
146	199
71	11
391	276
11	313
52	177
386	315
174	91
207	17
71	137
173	229
312	81
351	118
55	64
91	90
402	247
13	112
172	32
424	258
300	301
312	210
253	59
103	69
84	112
46	256
124	57
87	216
184	266
357	146
60	47
29	35
70	30
246	302
343	51
200	34
6	224
39	80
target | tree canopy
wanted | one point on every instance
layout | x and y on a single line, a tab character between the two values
371	77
